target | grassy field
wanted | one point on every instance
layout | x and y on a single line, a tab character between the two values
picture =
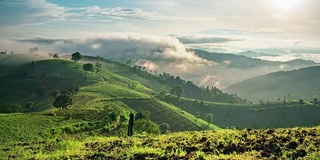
294	143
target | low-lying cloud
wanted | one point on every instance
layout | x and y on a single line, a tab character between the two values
155	53
197	39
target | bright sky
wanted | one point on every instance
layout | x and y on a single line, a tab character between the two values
218	25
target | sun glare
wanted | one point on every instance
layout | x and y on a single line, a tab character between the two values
286	4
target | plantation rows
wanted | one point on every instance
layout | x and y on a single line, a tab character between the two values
160	114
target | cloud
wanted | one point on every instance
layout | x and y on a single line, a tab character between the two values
197	39
161	50
289	57
110	13
29	12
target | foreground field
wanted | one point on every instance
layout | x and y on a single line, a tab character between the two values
295	143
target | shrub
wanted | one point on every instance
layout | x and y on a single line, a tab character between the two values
145	126
29	105
142	115
164	127
55	93
10	108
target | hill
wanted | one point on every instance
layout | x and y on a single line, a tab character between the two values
253	54
296	84
109	96
234	68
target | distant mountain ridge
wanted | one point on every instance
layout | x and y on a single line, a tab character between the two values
234	68
302	83
253	54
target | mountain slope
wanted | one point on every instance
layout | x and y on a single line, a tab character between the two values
233	68
100	93
302	83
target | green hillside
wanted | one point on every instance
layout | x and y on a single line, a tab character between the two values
296	84
100	106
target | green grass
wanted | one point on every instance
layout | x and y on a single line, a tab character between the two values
18	128
290	143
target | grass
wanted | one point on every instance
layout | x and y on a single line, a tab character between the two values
290	143
19	128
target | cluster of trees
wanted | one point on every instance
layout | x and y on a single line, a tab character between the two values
189	89
88	67
33	51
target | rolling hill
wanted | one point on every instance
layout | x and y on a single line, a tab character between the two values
234	68
32	80
299	84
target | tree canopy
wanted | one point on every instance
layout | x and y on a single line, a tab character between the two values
62	101
88	67
76	56
209	118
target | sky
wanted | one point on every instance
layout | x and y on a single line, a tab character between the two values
214	25
157	34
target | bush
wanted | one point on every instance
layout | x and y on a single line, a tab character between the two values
55	93
29	105
164	127
10	108
145	126
142	115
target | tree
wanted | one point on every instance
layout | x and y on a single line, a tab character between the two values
315	101
88	67
198	114
76	56
162	95
179	91
62	101
29	104
98	67
301	102
55	55
55	93
142	115
209	118
164	127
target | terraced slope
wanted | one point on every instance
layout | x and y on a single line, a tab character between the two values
163	112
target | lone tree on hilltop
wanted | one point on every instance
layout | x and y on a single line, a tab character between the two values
62	101
76	56
88	67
